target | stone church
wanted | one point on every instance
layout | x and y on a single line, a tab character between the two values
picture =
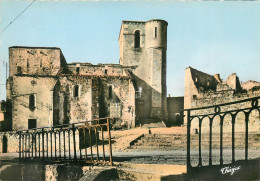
44	90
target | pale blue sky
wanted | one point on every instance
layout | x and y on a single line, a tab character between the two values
214	37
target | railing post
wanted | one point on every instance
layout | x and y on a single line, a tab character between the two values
51	131
246	135
19	145
221	140
233	137
69	142
43	143
210	141
74	141
188	141
64	144
55	145
109	140
200	160
47	147
59	144
97	143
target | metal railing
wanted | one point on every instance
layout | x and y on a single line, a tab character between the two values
244	106
87	142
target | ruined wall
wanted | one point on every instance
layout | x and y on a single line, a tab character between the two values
42	89
220	92
78	107
96	95
97	70
123	95
35	61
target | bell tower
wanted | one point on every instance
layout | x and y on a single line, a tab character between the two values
143	46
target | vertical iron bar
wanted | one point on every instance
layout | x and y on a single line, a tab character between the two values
69	143
42	143
39	136
55	145
35	144
85	145
109	140
47	142
29	145
246	136
90	142
32	143
64	144
200	159
74	141
233	137
221	140
210	142
25	145
103	143
97	143
51	131
80	152
20	145
188	141
59	144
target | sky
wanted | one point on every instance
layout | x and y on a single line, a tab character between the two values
213	37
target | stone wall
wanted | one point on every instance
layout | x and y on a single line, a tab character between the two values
203	90
42	90
34	60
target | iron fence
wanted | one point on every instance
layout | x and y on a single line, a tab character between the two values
87	142
232	109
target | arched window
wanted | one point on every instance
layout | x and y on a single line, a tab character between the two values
32	101
76	91
137	39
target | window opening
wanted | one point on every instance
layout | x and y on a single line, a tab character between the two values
208	83
31	101
32	123
137	39
19	70
77	70
110	92
196	79
76	91
155	32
